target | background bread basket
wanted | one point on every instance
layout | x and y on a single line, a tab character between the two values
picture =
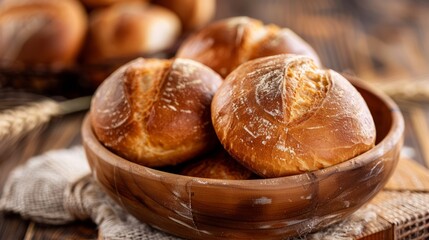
67	48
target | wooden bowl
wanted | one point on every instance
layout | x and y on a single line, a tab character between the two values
198	208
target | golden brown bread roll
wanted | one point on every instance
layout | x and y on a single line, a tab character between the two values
281	115
218	165
102	3
44	33
226	44
192	13
128	30
156	112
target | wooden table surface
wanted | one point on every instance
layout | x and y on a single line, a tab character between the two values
383	42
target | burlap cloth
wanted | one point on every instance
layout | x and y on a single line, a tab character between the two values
56	188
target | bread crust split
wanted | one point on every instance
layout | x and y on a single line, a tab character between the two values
282	115
225	44
156	112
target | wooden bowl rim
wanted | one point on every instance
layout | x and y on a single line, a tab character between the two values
386	144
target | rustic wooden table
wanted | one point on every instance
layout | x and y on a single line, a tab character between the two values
383	42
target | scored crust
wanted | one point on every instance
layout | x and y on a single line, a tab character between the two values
226	44
156	112
281	115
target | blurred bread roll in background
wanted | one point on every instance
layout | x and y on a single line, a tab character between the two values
282	115
41	33
218	165
102	3
193	13
130	29
156	112
225	44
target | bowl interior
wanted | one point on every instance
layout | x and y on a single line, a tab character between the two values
380	111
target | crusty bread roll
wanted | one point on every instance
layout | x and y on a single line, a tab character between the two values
46	33
218	165
226	44
102	3
128	30
156	112
192	13
281	115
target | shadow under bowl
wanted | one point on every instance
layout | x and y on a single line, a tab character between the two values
275	208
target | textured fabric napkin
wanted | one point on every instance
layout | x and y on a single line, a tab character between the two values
56	188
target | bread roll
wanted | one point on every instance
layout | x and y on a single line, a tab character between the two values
218	165
128	30
281	115
156	112
226	44
102	3
45	33
192	13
